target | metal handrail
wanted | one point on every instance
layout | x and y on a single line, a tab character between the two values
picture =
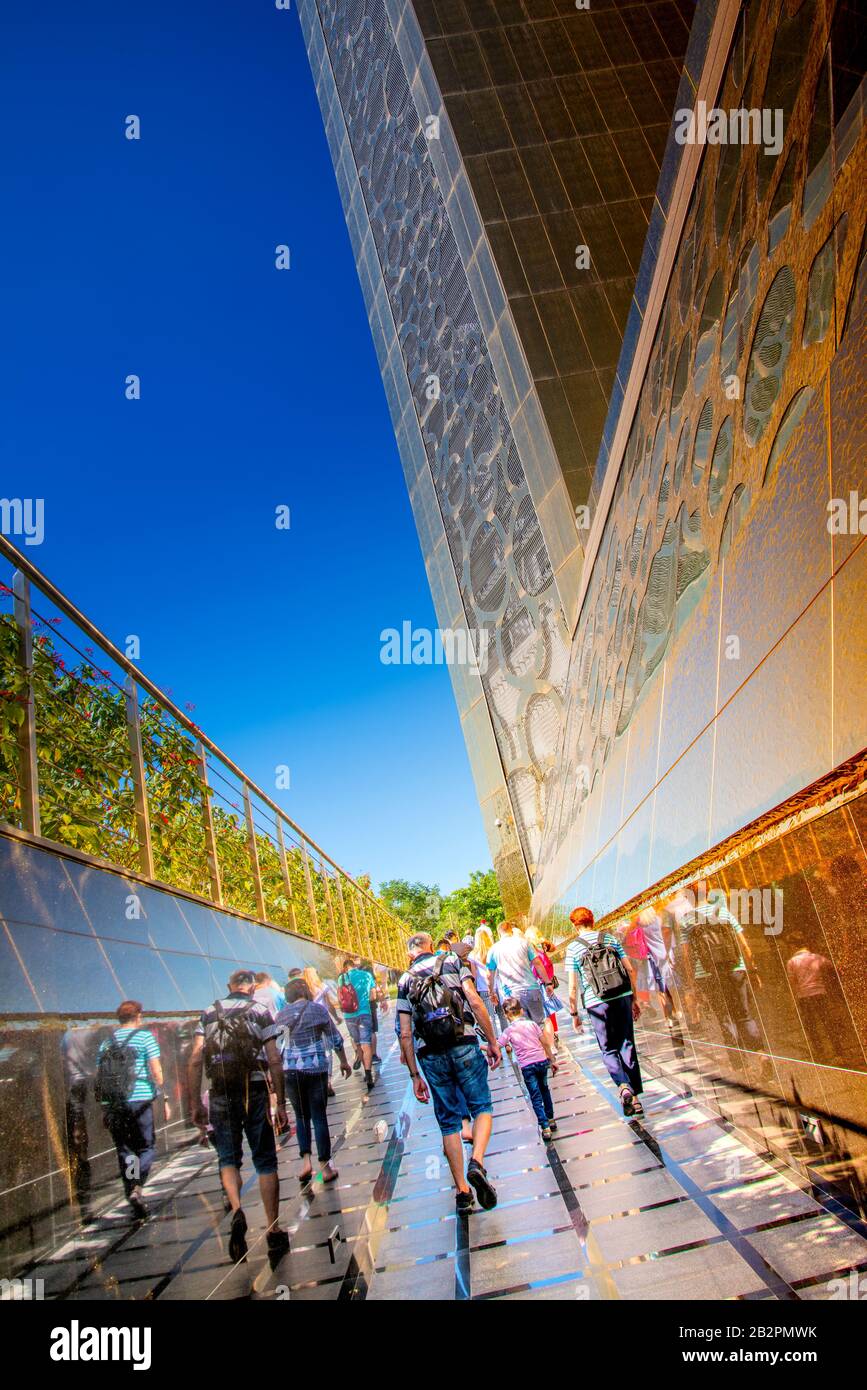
135	674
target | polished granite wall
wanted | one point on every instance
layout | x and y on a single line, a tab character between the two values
71	948
779	1049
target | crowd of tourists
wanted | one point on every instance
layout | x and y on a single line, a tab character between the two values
460	1004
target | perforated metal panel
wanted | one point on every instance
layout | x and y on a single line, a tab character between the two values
500	559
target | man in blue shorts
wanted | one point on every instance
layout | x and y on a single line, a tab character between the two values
438	1007
236	1042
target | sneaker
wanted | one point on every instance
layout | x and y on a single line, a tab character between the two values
237	1237
377	1058
464	1203
356	1064
140	1209
545	1132
552	1125
278	1242
478	1180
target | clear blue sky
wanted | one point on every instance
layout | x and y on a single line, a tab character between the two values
259	388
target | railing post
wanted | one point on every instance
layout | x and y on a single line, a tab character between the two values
357	942
329	905
368	938
311	901
284	868
383	939
338	879
254	854
139	784
28	767
210	837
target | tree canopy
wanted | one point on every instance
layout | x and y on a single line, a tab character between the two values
423	907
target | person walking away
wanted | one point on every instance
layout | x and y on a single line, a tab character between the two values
674	912
718	958
814	984
438	1005
455	943
323	992
79	1049
477	961
354	986
236	1043
646	946
378	1000
543	969
268	993
511	975
535	1055
310	1036
129	1077
598	966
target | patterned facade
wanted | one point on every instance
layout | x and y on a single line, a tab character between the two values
489	564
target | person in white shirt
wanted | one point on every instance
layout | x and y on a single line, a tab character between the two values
510	974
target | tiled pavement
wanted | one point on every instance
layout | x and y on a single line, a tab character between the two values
671	1207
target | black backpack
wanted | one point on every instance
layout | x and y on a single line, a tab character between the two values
437	1010
714	944
231	1052
116	1070
603	970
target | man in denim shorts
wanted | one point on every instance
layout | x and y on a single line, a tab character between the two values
239	1102
454	1067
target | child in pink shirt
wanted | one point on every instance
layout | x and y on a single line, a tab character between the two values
534	1055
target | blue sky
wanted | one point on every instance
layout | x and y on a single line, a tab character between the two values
258	388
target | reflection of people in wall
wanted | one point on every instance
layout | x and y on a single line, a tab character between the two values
78	1053
813	981
129	1078
648	943
680	982
718	957
268	993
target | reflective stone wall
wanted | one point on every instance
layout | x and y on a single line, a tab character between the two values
75	941
775	1038
718	662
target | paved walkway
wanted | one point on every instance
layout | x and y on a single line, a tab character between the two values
672	1207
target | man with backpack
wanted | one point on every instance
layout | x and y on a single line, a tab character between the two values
597	964
355	987
717	959
438	1008
235	1042
129	1077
